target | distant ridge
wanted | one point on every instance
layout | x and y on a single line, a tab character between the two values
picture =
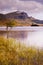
17	15
21	18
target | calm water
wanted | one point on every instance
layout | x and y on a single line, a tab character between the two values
32	36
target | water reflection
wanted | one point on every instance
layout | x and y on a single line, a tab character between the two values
30	36
35	39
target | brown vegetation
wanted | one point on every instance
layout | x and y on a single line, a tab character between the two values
15	53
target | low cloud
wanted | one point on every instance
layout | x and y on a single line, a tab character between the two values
30	7
41	1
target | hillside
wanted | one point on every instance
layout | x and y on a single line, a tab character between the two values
19	19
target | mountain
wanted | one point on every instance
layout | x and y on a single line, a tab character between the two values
21	18
2	16
17	15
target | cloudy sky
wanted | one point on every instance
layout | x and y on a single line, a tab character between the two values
32	7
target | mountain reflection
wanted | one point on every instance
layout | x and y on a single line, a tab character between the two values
30	36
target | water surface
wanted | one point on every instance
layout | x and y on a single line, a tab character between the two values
31	36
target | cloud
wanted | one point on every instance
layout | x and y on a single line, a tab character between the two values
30	6
7	4
41	1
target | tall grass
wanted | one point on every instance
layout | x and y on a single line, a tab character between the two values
15	53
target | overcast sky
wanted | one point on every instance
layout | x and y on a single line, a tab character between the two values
32	7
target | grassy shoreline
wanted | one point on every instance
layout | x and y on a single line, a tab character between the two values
15	53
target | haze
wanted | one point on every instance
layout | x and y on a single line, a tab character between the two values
32	7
